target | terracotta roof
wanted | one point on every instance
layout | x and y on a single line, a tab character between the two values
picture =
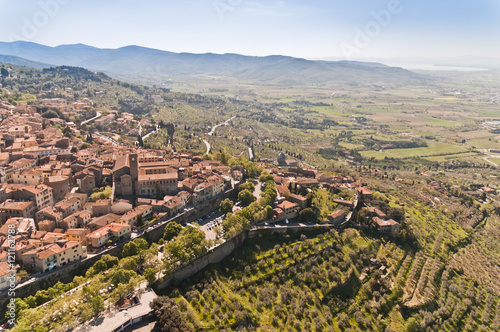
4	268
65	246
11	205
154	177
43	254
336	213
287	205
114	227
382	222
121	162
58	178
76	231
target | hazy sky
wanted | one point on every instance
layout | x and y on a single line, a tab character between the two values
312	28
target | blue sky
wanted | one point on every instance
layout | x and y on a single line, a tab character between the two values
313	29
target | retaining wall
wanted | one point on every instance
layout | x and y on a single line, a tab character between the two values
66	273
194	266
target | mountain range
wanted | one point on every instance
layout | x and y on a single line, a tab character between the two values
146	65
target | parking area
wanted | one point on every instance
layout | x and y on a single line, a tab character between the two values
211	224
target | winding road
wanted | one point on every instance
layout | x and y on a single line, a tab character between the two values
225	123
489	155
211	132
97	116
208	146
107	138
151	133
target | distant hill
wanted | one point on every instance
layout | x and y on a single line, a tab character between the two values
15	60
138	64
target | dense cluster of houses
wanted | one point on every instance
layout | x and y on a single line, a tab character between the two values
47	179
46	184
296	179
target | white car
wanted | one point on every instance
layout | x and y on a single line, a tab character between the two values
286	221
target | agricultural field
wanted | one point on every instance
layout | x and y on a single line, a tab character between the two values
305	120
441	275
296	285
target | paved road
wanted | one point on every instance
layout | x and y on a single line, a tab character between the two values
151	133
98	115
488	160
211	132
291	224
208	146
107	138
489	155
225	123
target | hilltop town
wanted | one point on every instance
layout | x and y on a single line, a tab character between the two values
115	196
69	198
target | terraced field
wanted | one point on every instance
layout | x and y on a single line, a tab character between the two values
326	282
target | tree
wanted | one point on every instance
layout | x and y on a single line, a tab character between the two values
411	325
122	276
50	114
4	72
269	194
129	249
168	315
396	213
94	299
247	186
307	215
246	197
139	140
150	275
172	230
234	224
109	260
222	157
265	176
170	129
68	132
190	243
130	263
97	304
101	193
100	266
140	221
134	247
226	206
19	306
141	243
177	250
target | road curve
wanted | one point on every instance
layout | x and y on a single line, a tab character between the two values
208	146
97	116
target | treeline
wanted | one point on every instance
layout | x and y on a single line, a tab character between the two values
376	144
